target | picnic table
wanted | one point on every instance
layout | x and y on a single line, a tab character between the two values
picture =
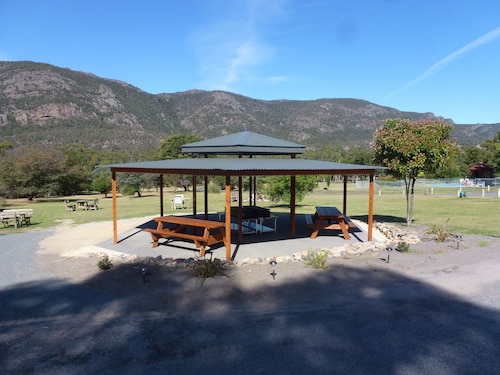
82	203
17	216
327	217
203	232
251	225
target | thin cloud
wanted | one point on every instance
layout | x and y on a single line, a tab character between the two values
276	79
486	38
230	52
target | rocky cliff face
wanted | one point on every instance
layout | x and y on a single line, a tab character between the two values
44	103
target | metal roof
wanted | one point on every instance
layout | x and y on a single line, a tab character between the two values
243	167
244	143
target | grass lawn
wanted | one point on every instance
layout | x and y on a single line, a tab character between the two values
473	215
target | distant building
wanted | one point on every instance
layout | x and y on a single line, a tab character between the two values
482	170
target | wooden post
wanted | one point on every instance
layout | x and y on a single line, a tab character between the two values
161	194
205	195
250	191
344	205
194	196
293	198
370	208
292	205
240	210
227	240
115	220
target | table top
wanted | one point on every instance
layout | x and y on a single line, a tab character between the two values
327	211
190	221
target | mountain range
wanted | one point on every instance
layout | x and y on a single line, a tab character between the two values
42	103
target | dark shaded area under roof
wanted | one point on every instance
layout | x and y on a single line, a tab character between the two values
244	143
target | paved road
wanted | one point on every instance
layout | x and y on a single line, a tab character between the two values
18	258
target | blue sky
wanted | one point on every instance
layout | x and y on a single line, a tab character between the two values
440	56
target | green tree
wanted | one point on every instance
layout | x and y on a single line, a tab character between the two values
409	148
358	155
30	171
132	182
102	182
278	187
171	147
470	156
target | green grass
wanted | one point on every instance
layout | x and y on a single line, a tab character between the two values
473	215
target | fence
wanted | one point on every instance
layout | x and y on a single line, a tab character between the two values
486	187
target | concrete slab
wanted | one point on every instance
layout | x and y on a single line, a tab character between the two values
265	245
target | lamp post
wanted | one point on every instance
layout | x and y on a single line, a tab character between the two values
273	264
389	249
145	274
458	238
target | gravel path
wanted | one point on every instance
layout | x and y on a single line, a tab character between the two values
19	261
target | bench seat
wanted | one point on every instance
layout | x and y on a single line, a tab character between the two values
7	217
201	240
347	220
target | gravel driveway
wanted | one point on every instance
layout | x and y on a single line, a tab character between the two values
358	317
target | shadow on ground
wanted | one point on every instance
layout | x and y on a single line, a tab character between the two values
340	320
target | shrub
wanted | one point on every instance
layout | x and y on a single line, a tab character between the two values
403	247
104	264
440	231
128	190
316	260
203	269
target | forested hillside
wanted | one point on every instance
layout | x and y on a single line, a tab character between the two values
40	103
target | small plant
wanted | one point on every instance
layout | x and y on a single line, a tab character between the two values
316	260
440	231
483	244
403	247
203	269
104	264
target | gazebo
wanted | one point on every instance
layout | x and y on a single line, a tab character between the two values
243	144
482	170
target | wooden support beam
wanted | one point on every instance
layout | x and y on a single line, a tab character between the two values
115	220
370	208
227	239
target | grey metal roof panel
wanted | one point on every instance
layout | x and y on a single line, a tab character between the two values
241	165
246	143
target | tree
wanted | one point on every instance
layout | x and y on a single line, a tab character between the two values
409	148
171	147
30	171
131	183
278	187
102	182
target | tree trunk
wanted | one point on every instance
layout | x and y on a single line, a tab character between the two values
410	195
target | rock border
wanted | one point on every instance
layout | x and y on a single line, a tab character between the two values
392	236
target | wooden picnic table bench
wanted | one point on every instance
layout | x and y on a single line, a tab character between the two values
329	218
17	216
9	216
203	232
